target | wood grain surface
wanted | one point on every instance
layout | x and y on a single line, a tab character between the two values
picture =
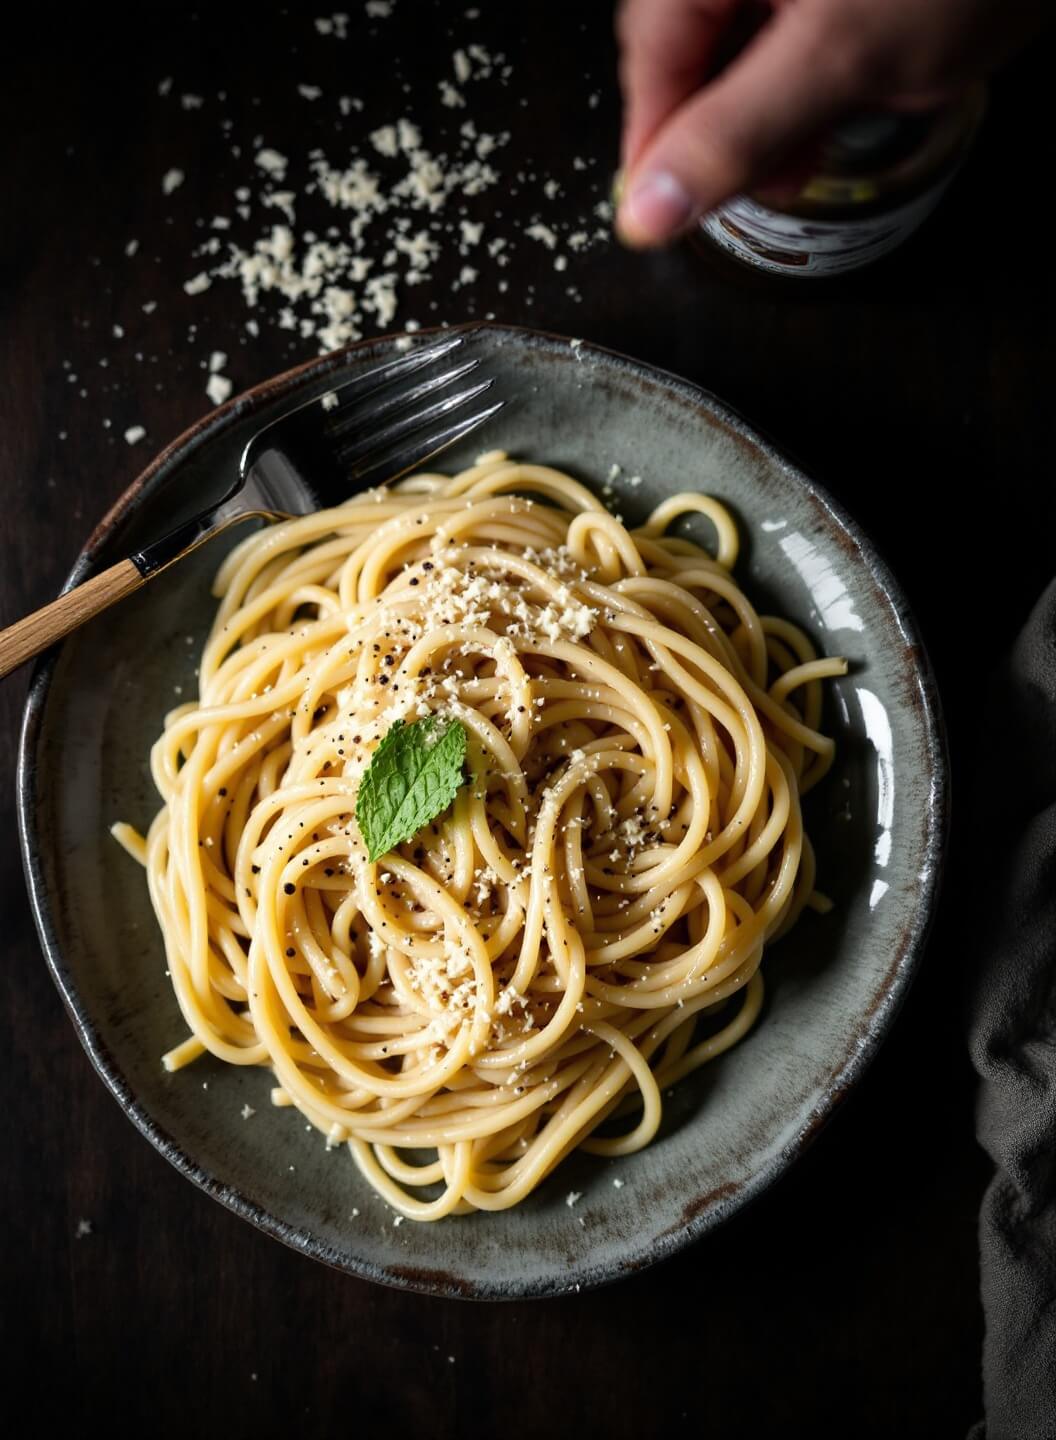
35	632
845	1302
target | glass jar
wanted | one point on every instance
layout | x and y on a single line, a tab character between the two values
879	175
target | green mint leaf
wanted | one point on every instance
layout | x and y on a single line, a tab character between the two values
412	778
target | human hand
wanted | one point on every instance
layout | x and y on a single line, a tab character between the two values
693	137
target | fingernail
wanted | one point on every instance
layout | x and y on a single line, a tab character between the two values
654	209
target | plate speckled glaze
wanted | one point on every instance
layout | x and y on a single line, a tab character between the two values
833	985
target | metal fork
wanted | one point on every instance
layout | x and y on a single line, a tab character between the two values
384	423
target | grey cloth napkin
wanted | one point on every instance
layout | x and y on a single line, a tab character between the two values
1012	1035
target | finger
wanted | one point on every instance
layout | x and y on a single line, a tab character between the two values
666	47
797	75
912	101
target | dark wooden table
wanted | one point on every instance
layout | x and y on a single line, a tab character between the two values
844	1302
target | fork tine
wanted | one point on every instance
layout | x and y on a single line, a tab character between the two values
350	392
404	426
369	411
390	464
360	386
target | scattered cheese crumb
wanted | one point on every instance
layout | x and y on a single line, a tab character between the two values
385	140
218	388
272	162
572	1197
134	434
247	1111
344	274
543	234
84	1227
336	25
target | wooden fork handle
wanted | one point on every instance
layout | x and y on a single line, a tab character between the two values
28	637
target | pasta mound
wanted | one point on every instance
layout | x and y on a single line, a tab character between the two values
584	925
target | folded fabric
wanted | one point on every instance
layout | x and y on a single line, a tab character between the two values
1012	1036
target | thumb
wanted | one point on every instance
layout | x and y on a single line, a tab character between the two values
800	72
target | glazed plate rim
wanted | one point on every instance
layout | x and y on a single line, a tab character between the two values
711	1210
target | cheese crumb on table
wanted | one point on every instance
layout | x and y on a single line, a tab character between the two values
218	388
272	162
326	240
341	275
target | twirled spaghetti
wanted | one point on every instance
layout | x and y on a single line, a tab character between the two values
564	942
